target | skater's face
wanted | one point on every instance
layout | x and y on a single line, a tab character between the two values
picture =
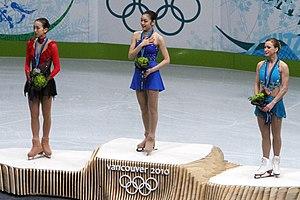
39	30
146	22
270	49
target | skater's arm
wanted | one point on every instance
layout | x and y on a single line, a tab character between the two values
55	59
284	82
135	49
165	54
257	83
27	60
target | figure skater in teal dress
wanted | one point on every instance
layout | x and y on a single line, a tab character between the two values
272	78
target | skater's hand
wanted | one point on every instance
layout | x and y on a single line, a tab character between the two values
28	78
49	78
147	72
146	41
268	107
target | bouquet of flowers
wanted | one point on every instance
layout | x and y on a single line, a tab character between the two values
142	62
38	79
258	99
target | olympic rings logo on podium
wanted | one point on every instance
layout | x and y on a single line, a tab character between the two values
138	184
161	12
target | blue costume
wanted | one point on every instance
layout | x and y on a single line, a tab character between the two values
270	82
153	81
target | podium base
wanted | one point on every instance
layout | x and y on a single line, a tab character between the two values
115	171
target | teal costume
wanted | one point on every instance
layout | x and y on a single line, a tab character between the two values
270	82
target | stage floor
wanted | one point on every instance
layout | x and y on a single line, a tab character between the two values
95	105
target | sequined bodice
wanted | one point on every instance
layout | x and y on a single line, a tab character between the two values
150	51
271	80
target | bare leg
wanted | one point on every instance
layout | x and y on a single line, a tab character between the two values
34	107
265	134
276	132
153	118
153	110
46	109
36	148
143	103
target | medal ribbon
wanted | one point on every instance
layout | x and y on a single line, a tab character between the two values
37	53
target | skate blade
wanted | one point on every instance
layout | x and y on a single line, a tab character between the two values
40	155
143	149
148	153
265	175
46	155
276	175
140	149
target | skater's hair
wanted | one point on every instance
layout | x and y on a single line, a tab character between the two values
44	22
151	14
275	42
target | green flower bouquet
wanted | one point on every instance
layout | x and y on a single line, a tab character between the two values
142	62
38	80
258	99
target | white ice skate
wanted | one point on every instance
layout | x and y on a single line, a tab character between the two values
275	165
264	170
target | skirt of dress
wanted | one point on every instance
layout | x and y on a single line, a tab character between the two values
49	90
152	82
278	110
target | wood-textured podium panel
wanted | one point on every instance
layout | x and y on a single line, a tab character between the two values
64	177
175	171
115	171
239	184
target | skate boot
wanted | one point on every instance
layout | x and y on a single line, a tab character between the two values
264	169
150	145
275	165
141	146
36	149
46	147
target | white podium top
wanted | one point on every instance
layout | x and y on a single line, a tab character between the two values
244	176
166	153
60	160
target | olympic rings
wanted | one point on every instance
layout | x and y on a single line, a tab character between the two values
138	184
176	12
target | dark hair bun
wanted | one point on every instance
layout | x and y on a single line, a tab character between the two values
152	14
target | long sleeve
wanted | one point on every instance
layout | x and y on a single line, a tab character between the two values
55	59
28	59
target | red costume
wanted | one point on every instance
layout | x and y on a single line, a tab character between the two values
50	52
49	55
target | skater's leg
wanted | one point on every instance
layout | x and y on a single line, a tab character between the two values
266	146
46	109
34	106
143	103
153	117
276	133
265	135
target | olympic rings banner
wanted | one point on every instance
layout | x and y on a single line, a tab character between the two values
221	25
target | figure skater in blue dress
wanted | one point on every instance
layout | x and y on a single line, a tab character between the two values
147	81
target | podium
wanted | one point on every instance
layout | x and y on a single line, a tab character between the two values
238	183
115	171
